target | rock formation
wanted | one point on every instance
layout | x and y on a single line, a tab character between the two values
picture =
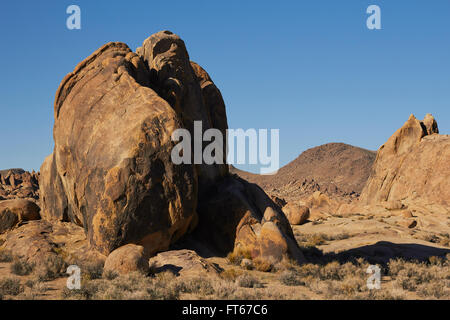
14	212
126	259
19	184
111	170
412	167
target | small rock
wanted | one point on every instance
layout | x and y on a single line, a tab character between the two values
182	262
126	259
296	214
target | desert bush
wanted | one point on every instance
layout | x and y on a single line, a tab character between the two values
21	267
290	278
238	255
230	274
51	268
87	291
5	255
93	270
10	287
262	265
248	281
201	286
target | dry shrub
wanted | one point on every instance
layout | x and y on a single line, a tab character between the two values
5	255
230	274
51	268
248	281
10	287
291	278
238	255
21	267
262	265
199	286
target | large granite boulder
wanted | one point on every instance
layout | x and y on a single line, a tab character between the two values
412	167
111	170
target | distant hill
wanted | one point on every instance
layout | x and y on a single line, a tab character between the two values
337	169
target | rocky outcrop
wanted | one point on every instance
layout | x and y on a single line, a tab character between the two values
111	170
183	262
126	259
38	241
15	212
237	215
19	184
411	168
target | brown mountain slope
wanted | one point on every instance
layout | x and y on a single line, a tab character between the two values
336	169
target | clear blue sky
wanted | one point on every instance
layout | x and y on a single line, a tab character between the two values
310	68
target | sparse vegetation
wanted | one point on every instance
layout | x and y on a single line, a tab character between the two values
10	287
51	268
5	255
248	281
21	267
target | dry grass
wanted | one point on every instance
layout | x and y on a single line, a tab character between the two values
21	267
5	255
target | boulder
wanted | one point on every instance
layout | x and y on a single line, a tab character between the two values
126	259
183	262
237	215
411	167
296	213
111	172
14	212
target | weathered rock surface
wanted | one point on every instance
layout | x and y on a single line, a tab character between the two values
188	89
182	262
236	214
412	167
14	212
296	213
111	170
126	259
19	184
36	241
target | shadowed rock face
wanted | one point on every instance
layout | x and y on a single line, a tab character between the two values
111	170
412	166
